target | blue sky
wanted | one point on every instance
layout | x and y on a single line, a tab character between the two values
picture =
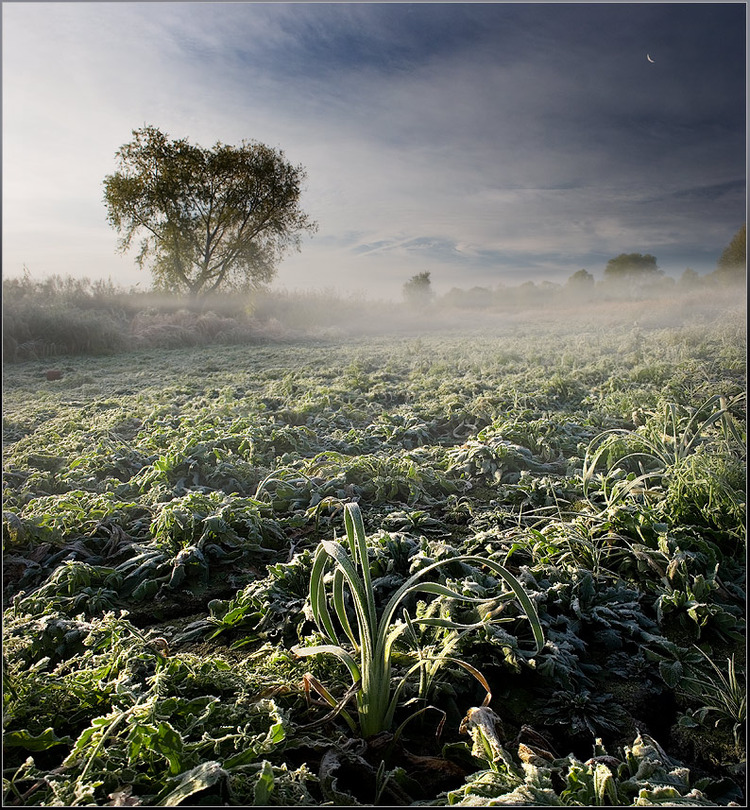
487	143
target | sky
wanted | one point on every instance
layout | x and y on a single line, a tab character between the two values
487	143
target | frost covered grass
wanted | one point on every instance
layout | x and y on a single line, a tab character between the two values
164	515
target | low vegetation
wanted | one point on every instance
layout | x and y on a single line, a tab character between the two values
63	316
499	566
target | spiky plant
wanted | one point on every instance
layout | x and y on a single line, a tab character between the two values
372	640
722	695
656	448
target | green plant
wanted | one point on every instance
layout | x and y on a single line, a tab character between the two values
375	636
191	487
581	712
640	462
643	775
721	694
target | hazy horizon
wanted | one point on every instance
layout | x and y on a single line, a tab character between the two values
486	143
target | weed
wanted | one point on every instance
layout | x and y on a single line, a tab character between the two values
375	636
721	694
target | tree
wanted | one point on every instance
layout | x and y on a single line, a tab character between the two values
210	218
690	278
632	267
581	280
418	290
732	262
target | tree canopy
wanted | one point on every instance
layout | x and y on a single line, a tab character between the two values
733	259
581	280
631	266
418	289
209	218
689	277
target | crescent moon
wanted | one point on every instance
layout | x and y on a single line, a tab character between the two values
649	58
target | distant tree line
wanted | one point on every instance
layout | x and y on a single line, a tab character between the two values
629	275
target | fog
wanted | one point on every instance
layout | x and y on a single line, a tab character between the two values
69	316
325	315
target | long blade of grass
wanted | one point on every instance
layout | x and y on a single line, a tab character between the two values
338	705
442	590
339	604
382	642
600	441
331	649
449	624
393	703
529	608
476	673
318	601
355	529
688	446
693	431
412	584
400	730
414	643
358	593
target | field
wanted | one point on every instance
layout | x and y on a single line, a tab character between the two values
166	512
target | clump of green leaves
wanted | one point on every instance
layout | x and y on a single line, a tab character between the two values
721	694
639	464
375	635
128	719
643	775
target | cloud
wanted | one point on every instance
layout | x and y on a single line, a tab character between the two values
483	141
